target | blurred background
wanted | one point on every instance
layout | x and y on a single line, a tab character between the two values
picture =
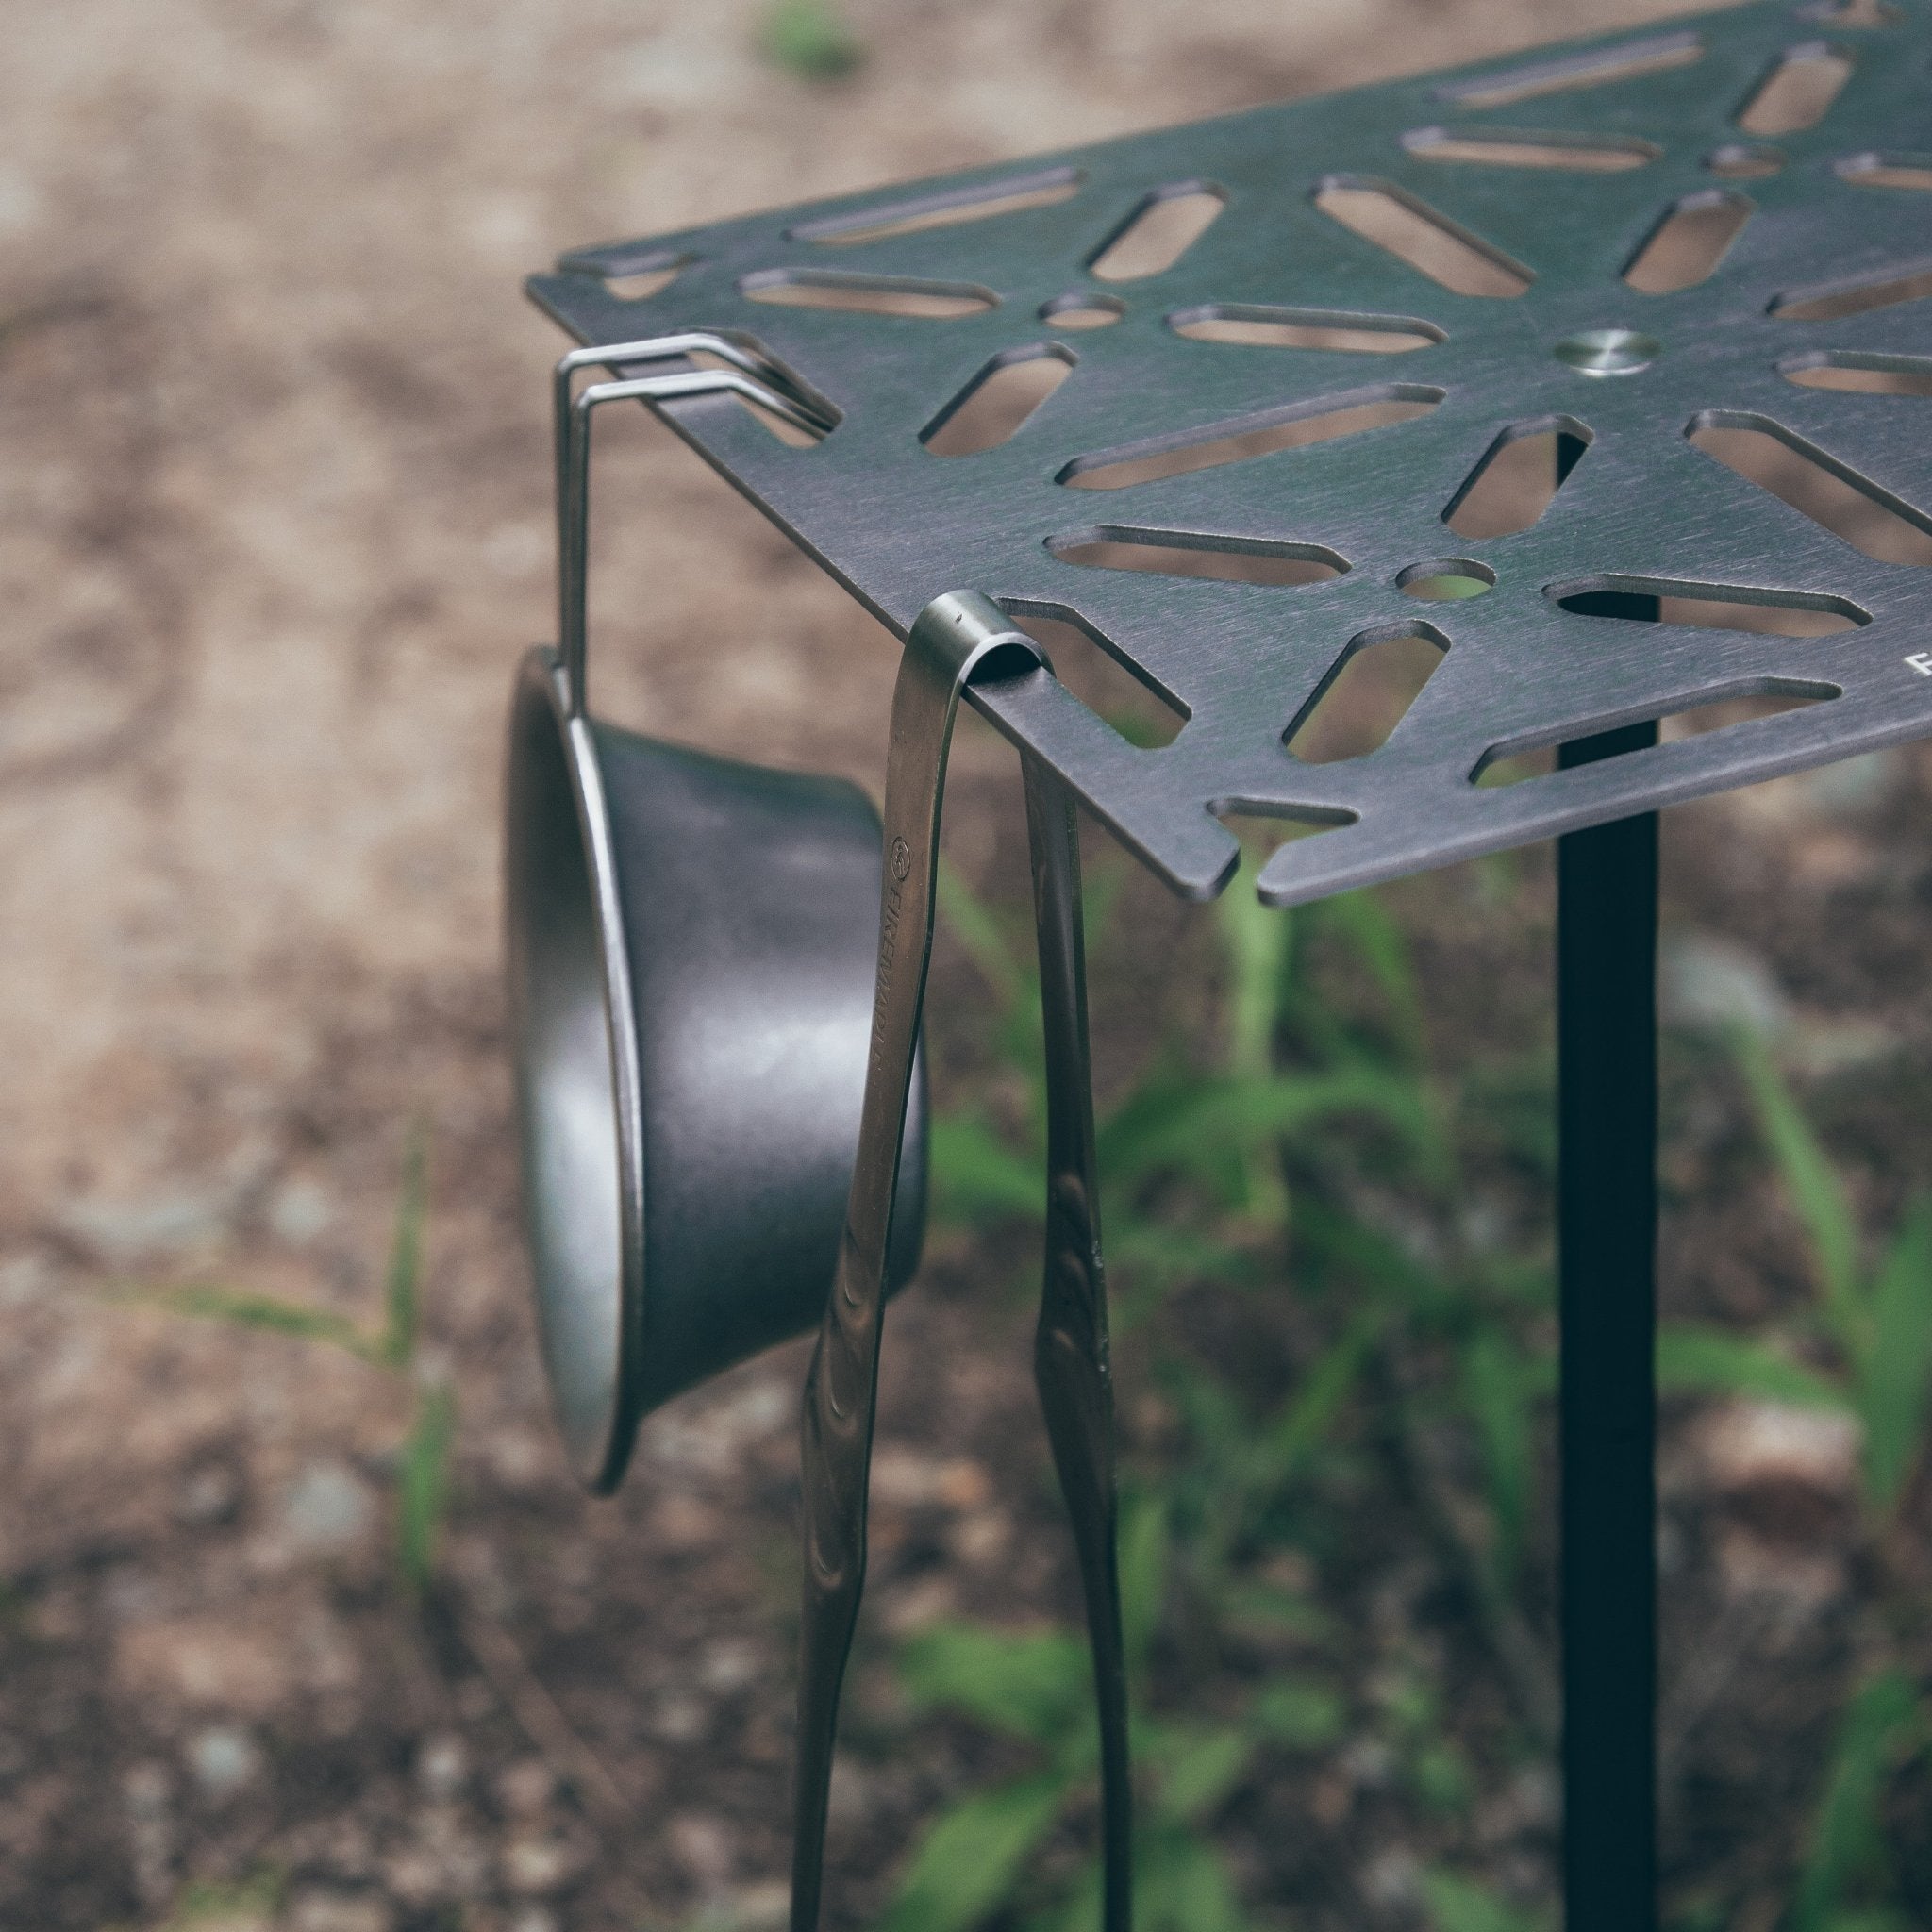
302	1623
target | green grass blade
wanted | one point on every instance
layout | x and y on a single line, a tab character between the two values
1171	1253
808	38
1382	947
970	921
209	1302
1498	1394
208	1905
1816	1191
1144	1559
967	1862
422	1473
1377	1264
1077	1909
1204	1120
1131	1134
1183	1885
1196	1767
1897	1375
1035	1684
1845	1843
979	1178
1304	1418
401	1281
1259	944
1101	882
1299	1715
1696	1360
1461	1905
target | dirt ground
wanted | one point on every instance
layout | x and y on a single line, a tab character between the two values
274	533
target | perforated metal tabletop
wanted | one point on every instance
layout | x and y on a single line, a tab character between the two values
1325	411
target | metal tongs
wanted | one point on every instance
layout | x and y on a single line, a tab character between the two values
961	639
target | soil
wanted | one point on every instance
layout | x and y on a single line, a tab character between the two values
275	531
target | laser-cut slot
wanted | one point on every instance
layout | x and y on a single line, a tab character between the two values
1798	91
1838	299
950	209
1366	694
1108	683
996	403
1739	161
1082	309
1912	172
1160	231
1816	484
634	277
1427	240
1185	554
1744	701
1264	828
1511	147
1518	476
897	295
1860	372
1655	55
1708	606
1254	325
1685	247
1244	438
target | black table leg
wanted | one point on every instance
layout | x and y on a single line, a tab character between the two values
1607	881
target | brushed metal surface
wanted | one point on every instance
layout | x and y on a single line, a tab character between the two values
897	524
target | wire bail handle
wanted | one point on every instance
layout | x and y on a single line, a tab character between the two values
749	376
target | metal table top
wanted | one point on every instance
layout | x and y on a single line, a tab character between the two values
1320	406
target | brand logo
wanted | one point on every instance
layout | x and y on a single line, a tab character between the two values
902	859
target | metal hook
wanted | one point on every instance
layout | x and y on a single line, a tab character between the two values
751	376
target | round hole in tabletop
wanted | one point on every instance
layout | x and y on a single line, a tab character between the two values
1742	161
1609	351
1446	579
1083	310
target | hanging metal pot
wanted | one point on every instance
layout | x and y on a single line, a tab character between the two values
692	948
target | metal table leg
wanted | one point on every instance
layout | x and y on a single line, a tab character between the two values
1606	880
1070	1362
